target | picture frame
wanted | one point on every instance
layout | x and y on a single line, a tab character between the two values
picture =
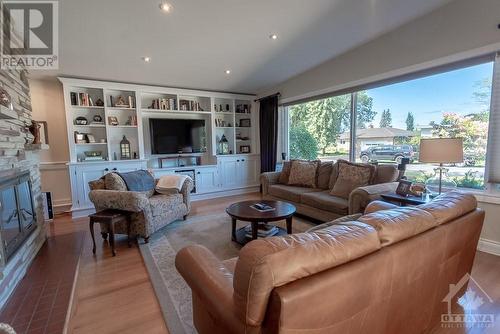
403	188
90	138
245	149
113	120
245	123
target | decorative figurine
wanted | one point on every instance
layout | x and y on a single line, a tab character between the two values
5	99
97	118
99	103
35	131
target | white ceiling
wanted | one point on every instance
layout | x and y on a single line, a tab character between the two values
194	44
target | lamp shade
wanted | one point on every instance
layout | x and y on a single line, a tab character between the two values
441	150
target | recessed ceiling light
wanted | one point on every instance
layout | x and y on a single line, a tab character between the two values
273	36
146	59
166	7
227	71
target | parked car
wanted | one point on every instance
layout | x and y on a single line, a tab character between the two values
387	152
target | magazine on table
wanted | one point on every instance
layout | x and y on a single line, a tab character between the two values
263	231
262	207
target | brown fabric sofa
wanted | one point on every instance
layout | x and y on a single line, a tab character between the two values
318	203
348	277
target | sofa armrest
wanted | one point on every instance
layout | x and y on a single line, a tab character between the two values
268	178
360	197
120	200
186	189
211	282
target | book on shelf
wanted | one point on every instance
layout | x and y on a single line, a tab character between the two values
81	99
263	231
163	104
262	207
190	105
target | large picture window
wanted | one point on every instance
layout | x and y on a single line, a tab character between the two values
391	120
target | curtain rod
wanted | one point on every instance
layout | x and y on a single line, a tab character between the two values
265	97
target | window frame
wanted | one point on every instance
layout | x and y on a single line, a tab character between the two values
490	189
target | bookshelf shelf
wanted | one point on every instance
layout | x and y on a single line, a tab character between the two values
86	107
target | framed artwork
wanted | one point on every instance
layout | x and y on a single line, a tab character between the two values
113	120
90	138
245	149
245	122
403	188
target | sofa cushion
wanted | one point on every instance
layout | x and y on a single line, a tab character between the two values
324	201
399	224
114	181
289	193
386	173
449	206
98	184
351	176
161	204
334	175
285	172
303	173
264	264
324	173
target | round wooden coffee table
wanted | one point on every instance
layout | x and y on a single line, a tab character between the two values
245	212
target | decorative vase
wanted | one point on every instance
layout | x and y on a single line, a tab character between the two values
35	131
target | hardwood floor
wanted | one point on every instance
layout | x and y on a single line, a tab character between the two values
115	295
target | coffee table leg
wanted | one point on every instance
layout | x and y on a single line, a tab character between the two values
233	229
289	225
255	228
112	238
91	226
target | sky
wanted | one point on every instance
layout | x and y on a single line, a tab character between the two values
427	98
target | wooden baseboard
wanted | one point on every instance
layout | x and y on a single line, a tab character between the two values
489	246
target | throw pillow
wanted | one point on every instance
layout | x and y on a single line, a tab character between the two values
324	174
303	173
334	175
285	172
351	176
114	181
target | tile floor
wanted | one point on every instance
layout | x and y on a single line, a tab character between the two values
40	302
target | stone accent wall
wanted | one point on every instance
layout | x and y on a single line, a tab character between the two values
15	157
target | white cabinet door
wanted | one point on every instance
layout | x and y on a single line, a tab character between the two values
84	175
207	180
247	171
229	172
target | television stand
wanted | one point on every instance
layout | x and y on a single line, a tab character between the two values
179	161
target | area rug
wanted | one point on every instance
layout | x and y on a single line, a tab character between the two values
211	231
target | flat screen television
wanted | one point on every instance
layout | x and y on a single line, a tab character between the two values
170	136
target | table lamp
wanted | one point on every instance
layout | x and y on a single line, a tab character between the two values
441	151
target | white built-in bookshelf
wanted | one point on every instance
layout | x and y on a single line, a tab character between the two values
99	114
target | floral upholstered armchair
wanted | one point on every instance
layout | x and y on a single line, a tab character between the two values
150	211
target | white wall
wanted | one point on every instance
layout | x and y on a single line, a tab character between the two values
48	105
447	34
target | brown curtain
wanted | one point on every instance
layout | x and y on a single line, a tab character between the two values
268	125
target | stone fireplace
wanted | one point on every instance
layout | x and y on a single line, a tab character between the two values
21	213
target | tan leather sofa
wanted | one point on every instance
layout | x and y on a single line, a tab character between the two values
319	204
387	272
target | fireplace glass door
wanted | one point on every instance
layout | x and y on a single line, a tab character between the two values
11	229
25	201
